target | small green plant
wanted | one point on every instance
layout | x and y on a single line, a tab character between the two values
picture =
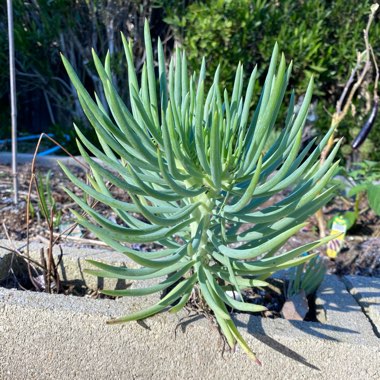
194	165
363	180
353	185
48	208
46	202
307	277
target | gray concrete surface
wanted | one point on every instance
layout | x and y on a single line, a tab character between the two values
46	161
65	337
366	291
72	265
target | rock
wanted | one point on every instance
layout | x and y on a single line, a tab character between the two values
296	307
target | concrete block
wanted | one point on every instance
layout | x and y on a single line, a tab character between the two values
73	263
65	337
366	291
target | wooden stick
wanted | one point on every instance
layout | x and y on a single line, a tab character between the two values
346	98
80	240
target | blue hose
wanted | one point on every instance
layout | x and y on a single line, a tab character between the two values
35	137
25	138
49	151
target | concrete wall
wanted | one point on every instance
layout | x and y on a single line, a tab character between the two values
65	337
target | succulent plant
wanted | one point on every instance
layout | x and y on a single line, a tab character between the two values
193	163
307	277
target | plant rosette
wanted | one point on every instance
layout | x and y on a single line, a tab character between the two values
196	166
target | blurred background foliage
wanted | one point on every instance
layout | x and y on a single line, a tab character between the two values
47	101
321	36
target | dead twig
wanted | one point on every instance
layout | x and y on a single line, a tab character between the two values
14	252
21	255
347	95
50	268
80	240
361	69
48	262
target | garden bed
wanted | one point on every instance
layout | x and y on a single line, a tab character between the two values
14	274
58	336
359	254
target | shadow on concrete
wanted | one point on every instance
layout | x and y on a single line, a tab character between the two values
258	332
335	299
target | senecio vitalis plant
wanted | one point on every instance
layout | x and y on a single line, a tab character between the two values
196	166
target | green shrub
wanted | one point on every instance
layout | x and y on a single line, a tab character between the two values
321	36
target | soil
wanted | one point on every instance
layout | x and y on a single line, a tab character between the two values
272	297
13	218
360	254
